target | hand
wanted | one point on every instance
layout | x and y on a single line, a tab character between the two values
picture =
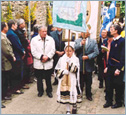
62	53
66	72
14	59
117	72
105	70
59	53
83	42
24	52
103	51
44	59
84	57
23	56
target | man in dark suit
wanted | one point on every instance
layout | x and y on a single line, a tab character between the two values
19	54
91	51
59	44
100	59
115	68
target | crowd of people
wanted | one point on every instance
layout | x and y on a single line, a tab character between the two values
72	64
17	60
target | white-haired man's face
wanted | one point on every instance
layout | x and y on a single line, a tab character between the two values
86	34
59	29
43	32
22	25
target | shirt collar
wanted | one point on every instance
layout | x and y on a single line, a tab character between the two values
59	33
3	34
39	38
117	38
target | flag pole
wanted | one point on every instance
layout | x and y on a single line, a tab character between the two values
68	54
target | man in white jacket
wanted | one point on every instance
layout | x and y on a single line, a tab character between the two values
43	50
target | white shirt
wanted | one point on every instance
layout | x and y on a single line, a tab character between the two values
86	41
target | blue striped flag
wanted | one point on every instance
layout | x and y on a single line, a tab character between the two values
110	15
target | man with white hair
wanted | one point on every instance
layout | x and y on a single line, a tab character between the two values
21	32
43	50
23	39
91	51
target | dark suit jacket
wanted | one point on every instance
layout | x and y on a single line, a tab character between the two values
100	57
58	41
117	54
22	38
16	44
91	50
59	44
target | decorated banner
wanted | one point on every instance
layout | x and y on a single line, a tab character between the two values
92	17
70	15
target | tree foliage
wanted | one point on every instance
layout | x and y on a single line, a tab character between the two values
9	12
49	17
32	14
122	7
2	19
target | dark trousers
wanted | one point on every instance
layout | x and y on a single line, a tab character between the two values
5	82
28	73
16	76
43	74
56	58
114	82
86	80
100	74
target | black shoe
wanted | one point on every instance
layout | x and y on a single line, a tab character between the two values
3	106
25	87
7	98
29	82
55	83
68	112
40	94
50	95
74	109
107	105
89	98
116	106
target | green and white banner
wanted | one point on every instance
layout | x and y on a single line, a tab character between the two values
70	15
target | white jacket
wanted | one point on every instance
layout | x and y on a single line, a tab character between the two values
38	49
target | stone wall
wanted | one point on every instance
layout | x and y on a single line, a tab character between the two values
19	6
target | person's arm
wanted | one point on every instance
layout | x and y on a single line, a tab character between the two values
95	52
17	44
122	60
7	50
52	49
36	54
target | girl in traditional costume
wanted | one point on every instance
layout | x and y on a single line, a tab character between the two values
67	72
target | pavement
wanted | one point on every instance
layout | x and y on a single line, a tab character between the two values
30	103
